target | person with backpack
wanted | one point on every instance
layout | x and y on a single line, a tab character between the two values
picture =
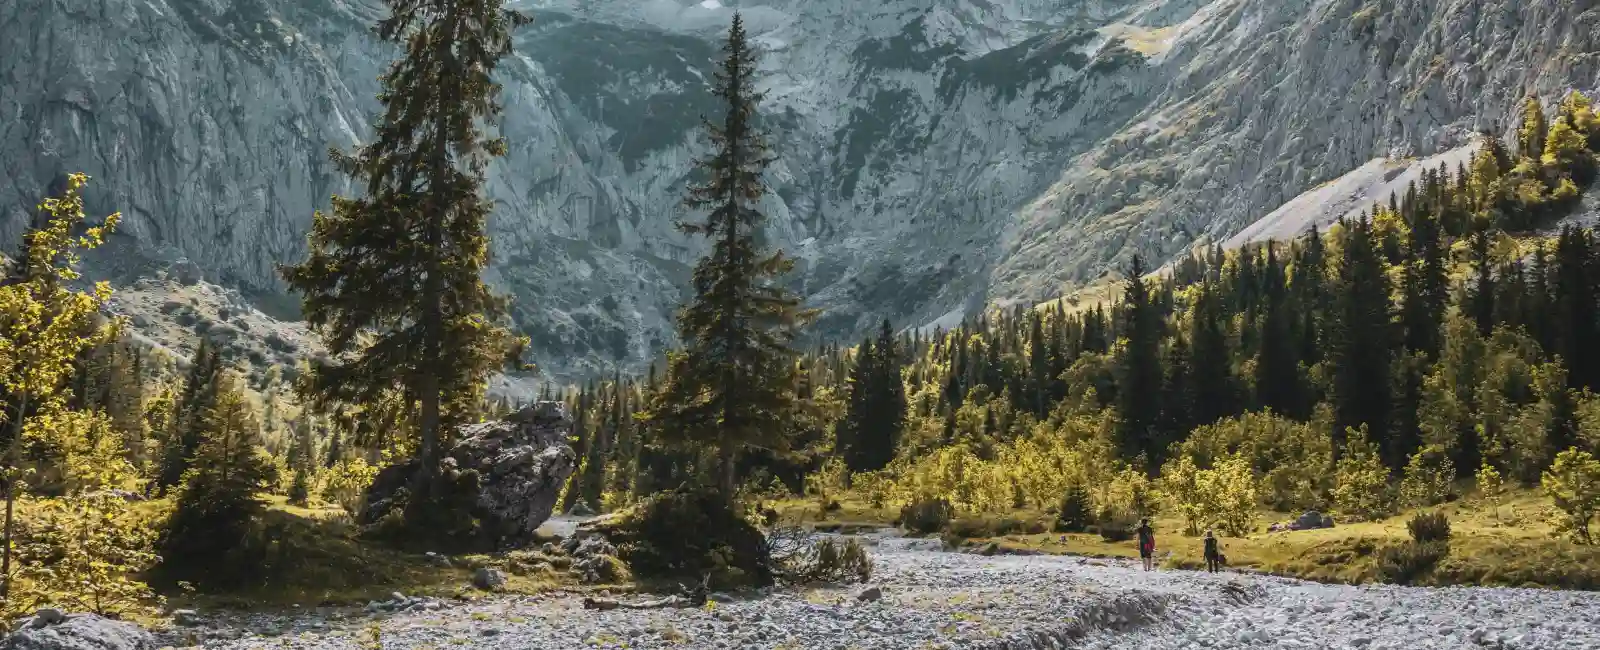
1213	553
1147	544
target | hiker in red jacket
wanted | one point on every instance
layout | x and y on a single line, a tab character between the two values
1147	544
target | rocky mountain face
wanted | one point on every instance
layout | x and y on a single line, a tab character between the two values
936	155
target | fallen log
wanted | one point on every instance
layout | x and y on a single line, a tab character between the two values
607	604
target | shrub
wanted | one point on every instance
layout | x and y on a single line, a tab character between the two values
1573	485
1403	564
693	533
1117	530
1428	477
927	515
346	484
825	560
1362	482
1429	527
81	553
1075	513
980	526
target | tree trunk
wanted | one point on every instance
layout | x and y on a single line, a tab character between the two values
11	493
729	462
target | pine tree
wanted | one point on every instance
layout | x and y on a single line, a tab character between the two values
302	459
393	279
1176	417
196	398
1277	373
1359	336
733	386
1479	299
1139	370
220	496
1425	286
875	404
1211	381
1577	330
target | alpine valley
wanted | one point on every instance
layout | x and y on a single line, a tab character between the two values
935	156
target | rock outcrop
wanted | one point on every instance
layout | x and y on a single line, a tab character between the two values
78	632
521	461
934	155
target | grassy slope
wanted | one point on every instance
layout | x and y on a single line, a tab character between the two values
1509	545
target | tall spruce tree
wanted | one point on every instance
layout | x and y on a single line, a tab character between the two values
195	399
1139	370
1277	372
1359	336
875	407
1577	328
1211	381
732	387
1426	285
1478	302
393	279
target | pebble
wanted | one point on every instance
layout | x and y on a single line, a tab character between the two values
960	600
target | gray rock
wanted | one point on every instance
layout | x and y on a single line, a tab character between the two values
186	617
81	632
187	273
437	560
522	462
870	594
48	616
488	579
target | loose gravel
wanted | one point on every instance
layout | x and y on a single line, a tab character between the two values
932	599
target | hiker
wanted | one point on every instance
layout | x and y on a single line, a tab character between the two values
1213	554
1147	544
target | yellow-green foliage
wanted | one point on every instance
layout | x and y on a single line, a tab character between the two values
346	483
1428	477
1223	497
1573	485
1362	489
44	327
82	553
1293	459
1490	486
1034	469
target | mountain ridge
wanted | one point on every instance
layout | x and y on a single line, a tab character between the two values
935	155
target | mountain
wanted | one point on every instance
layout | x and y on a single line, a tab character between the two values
936	155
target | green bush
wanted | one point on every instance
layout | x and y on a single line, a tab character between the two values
1117	530
691	534
1429	527
927	515
1075	513
1403	564
981	526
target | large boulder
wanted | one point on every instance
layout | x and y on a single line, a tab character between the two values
78	632
1312	520
520	464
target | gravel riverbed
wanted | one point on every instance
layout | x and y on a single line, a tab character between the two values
933	599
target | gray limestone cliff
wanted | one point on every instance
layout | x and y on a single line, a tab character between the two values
936	155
